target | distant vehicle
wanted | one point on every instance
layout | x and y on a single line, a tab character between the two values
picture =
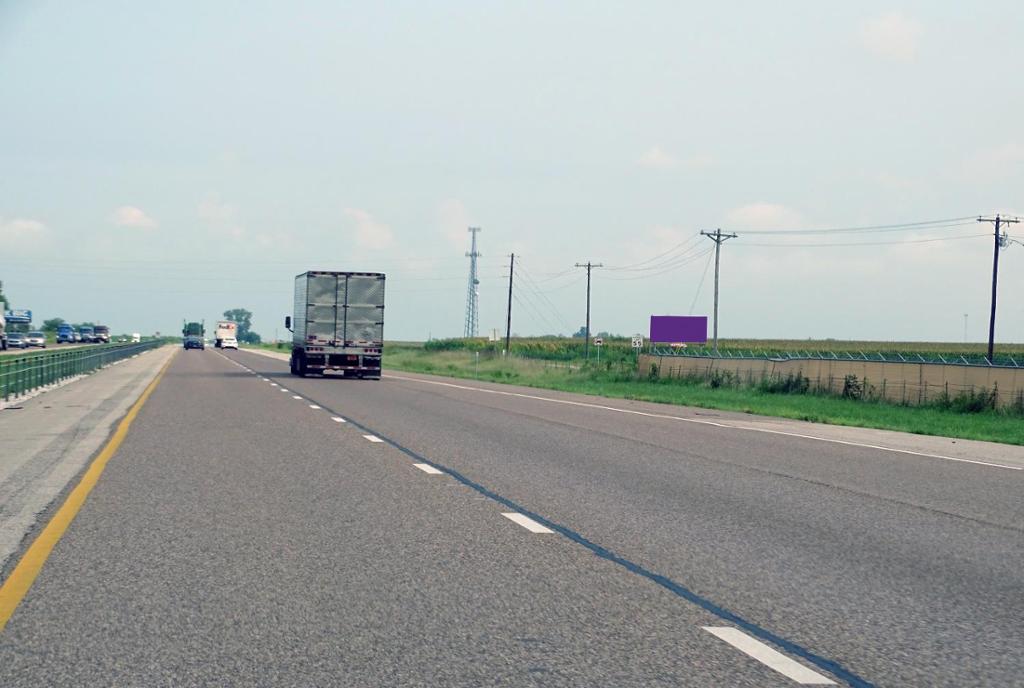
101	334
339	323
225	329
3	327
77	336
16	340
194	342
136	337
35	338
65	334
229	343
86	333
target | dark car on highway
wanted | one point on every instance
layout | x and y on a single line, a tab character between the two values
194	342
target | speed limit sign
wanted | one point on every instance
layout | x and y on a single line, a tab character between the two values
638	342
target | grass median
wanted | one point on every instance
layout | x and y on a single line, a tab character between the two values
620	381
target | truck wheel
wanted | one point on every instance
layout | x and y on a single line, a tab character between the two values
301	365
291	365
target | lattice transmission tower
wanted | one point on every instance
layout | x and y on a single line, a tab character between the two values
473	292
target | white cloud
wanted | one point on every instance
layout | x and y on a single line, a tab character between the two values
658	158
221	217
130	216
763	216
370	233
23	234
454	219
892	36
994	163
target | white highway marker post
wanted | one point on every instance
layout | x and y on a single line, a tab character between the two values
768	656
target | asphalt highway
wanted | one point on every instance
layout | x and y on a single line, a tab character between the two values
259	529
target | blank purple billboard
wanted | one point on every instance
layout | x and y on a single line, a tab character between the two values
679	329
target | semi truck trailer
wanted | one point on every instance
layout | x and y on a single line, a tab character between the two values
338	325
225	330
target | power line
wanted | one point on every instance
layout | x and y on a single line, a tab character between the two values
897	227
635	266
684	260
863	243
532	285
701	283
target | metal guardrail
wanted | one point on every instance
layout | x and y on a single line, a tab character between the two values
22	374
876	357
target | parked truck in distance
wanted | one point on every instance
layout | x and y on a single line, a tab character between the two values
225	330
338	325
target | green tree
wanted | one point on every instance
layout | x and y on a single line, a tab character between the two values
52	324
243	318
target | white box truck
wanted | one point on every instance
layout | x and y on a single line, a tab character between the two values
225	330
339	324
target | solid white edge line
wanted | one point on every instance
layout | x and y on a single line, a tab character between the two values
336	419
373	438
712	423
528	523
771	658
427	468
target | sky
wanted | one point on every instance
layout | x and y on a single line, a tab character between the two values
163	161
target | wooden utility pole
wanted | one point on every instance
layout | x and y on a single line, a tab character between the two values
718	238
508	319
998	242
589	266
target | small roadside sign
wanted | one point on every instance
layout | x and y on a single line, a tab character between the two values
638	342
598	341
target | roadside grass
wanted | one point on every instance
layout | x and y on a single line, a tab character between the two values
618	380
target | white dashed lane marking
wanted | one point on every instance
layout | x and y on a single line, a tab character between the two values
427	468
528	523
336	419
296	396
771	658
373	438
314	407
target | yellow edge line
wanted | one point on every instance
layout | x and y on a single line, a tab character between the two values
17	585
